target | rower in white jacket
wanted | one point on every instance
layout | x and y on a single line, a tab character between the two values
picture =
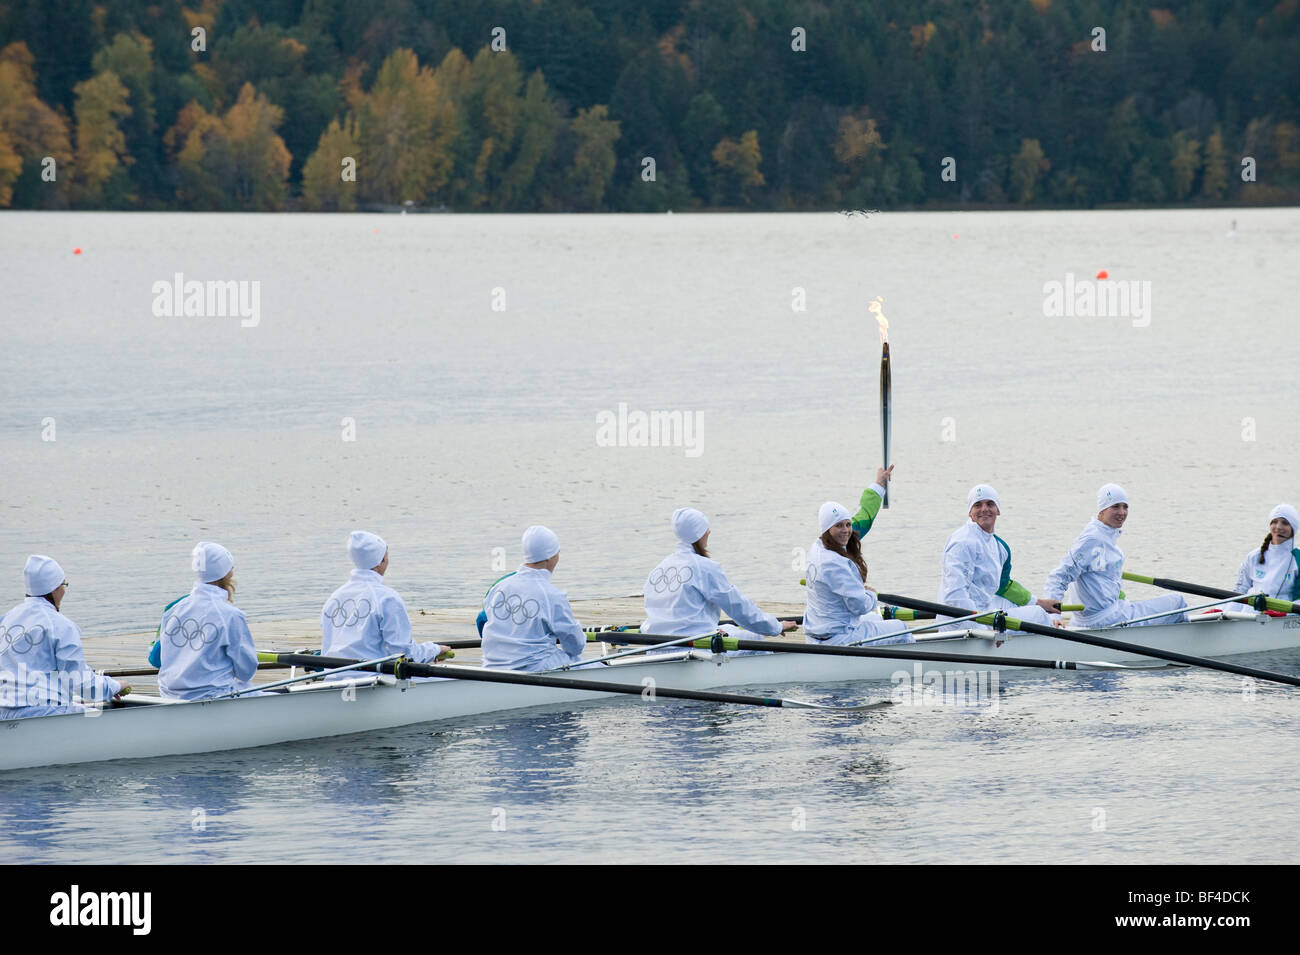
840	607
1094	567
686	595
41	663
977	566
365	618
1272	568
527	615
206	647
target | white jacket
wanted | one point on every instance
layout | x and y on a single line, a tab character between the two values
206	647
366	619
1093	566
686	595
526	615
41	662
1276	577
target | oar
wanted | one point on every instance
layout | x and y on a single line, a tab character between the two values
1001	620
150	671
1258	601
303	677
720	643
403	670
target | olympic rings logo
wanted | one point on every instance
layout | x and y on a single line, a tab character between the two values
189	632
515	608
670	579
349	613
20	639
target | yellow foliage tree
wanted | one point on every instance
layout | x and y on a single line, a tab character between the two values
232	162
407	124
101	146
323	185
261	159
858	141
738	163
1215	181
29	130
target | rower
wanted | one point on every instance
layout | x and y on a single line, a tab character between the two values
42	667
977	566
1272	569
1094	567
365	619
840	606
527	615
687	593
206	647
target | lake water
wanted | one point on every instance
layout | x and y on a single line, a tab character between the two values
441	380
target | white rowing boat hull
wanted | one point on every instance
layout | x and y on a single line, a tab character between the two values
199	727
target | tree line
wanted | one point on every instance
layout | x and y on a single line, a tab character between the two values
586	105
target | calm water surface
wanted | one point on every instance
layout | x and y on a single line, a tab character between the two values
471	423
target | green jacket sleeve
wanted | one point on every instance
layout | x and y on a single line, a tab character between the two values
868	508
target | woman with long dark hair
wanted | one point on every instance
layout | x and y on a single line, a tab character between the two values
840	606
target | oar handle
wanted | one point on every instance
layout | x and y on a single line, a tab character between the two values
1258	601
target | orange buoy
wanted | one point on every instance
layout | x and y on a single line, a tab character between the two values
1103	274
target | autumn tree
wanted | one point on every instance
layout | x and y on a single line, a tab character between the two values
129	57
232	162
859	151
323	185
29	132
1214	183
101	146
406	123
738	168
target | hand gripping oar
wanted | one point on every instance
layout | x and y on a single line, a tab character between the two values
1257	601
720	643
1000	621
402	670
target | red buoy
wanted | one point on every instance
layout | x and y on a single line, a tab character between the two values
77	250
1103	274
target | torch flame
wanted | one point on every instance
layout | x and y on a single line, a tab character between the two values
874	307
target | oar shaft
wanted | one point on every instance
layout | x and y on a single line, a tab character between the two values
150	671
1272	603
402	670
893	652
1098	641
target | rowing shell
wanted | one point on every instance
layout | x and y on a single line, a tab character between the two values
380	702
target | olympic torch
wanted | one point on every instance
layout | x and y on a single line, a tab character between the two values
885	385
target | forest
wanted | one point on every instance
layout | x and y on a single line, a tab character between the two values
601	105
